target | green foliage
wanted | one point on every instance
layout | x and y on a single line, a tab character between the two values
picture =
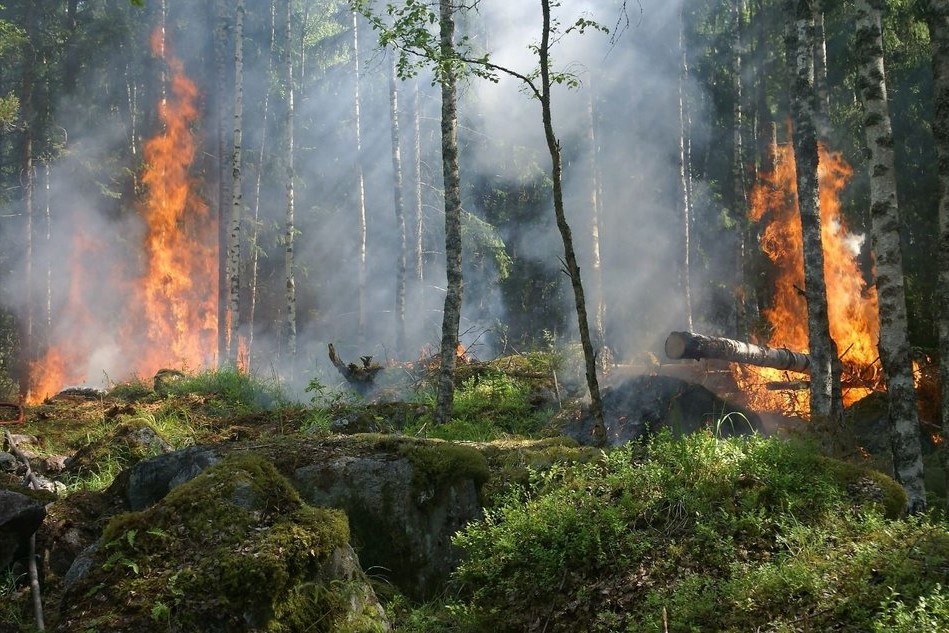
929	613
229	388
260	546
726	535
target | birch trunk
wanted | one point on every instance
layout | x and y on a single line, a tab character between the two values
822	120
255	232
888	259
739	188
419	212
234	231
570	257
686	209
362	273
221	191
451	317
290	229
937	17
599	319
823	351
399	204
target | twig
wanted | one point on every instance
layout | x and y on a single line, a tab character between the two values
31	565
665	621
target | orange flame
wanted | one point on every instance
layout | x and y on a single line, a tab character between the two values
178	290
852	305
170	314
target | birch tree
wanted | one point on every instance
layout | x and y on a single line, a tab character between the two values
399	205
362	273
884	215
684	170
234	230
937	17
289	235
825	372
451	317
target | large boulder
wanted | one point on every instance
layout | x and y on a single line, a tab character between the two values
643	405
235	549
405	499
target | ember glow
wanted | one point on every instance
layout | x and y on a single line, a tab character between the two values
852	305
169	283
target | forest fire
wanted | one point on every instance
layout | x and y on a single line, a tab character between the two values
168	285
852	304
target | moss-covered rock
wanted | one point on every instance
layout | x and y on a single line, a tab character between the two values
404	497
235	549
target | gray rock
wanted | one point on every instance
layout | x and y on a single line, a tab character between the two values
401	530
643	405
9	463
80	567
20	517
151	479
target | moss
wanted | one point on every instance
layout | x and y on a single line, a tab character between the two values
868	486
436	464
512	461
224	552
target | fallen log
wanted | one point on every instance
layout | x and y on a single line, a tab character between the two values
698	346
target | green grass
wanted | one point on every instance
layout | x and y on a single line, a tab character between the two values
724	535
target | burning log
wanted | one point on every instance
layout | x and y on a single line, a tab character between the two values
361	378
697	346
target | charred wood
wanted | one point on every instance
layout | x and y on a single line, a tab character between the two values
360	377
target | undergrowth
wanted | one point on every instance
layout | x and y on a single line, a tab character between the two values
720	535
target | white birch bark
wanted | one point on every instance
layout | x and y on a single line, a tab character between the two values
289	237
823	351
362	273
234	229
885	230
399	205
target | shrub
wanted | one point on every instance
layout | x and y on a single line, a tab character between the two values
722	535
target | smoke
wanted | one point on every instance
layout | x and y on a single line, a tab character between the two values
632	82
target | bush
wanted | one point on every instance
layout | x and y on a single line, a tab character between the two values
722	535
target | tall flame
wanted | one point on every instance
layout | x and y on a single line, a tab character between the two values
169	285
178	290
851	303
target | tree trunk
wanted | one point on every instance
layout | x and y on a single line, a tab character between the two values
255	233
822	119
399	205
290	231
825	371
419	211
220	203
885	232
234	232
599	319
937	17
362	273
28	182
695	346
739	189
686	209
570	257
452	182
